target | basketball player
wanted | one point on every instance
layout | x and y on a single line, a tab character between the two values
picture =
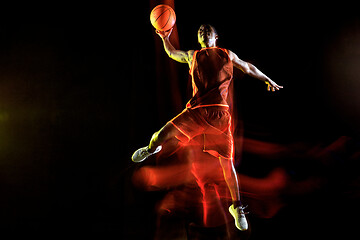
207	112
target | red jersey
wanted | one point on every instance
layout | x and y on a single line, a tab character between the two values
211	73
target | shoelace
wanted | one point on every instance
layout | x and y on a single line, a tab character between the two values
242	209
144	153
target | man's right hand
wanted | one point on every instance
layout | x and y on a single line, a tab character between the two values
164	34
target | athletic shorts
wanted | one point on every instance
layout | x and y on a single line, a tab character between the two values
213	123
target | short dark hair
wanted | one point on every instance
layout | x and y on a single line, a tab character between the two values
209	26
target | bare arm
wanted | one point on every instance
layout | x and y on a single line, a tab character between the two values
252	71
177	55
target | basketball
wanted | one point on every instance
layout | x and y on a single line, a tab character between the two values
162	17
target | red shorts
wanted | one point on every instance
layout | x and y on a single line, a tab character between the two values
214	123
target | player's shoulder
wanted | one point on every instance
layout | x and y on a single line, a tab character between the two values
227	51
231	54
191	53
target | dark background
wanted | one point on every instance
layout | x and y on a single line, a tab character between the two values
82	87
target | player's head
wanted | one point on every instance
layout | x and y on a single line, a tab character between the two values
207	35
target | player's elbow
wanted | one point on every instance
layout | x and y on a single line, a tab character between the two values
169	53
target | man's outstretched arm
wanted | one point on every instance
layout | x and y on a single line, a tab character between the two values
251	70
177	55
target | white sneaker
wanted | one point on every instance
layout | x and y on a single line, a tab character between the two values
239	216
143	153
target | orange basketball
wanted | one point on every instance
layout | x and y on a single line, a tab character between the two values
162	17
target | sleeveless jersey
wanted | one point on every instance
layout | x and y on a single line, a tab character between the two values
211	73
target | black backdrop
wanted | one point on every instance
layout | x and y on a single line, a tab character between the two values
85	86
